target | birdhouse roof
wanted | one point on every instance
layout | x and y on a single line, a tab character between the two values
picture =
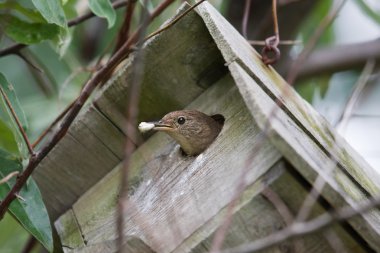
200	62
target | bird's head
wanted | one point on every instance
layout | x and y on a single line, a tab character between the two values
193	130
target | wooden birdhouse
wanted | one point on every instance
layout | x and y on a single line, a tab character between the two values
273	149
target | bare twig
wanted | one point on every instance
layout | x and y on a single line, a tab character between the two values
351	102
131	122
30	244
14	49
14	115
42	75
327	20
124	30
29	62
53	124
335	241
244	23
298	229
20	197
173	21
335	58
8	177
285	2
320	182
284	211
280	206
281	42
275	19
72	75
316	190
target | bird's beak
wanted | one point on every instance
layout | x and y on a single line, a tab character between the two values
162	126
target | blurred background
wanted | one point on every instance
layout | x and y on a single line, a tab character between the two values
341	78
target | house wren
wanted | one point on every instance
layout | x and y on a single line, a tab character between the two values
193	130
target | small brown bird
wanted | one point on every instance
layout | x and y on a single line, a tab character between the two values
193	130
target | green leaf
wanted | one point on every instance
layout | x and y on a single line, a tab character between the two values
70	8
52	11
32	15
31	213
103	9
7	139
27	33
7	117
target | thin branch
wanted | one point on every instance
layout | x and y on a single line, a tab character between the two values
131	122
14	49
244	23
320	182
53	124
284	211
173	21
297	64
16	119
89	87
42	75
8	177
20	197
280	206
336	58
124	30
275	19
29	62
334	241
281	42
30	244
317	187
298	229
351	102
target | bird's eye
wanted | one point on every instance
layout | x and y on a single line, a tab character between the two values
181	120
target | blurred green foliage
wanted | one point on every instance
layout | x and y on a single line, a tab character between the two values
13	236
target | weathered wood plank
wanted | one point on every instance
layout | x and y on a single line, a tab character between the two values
94	127
306	155
132	245
240	231
91	148
171	187
70	238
